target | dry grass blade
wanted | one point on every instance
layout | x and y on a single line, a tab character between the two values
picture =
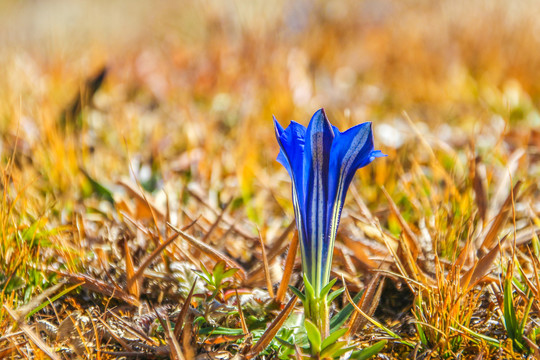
535	349
463	254
4	353
466	254
434	160
216	223
226	219
481	268
272	329
342	253
161	353
368	303
394	276
211	252
176	351
364	210
409	249
267	276
287	272
32	336
479	188
112	333
278	248
132	283
373	230
359	251
187	337
148	260
100	287
12	335
279	242
151	207
137	224
132	330
24	310
141	198
241	313
500	191
366	316
174	346
535	289
397	260
408	260
491	236
353	281
479	357
167	213
525	236
408	234
182	316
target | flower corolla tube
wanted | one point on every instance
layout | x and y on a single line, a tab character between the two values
321	162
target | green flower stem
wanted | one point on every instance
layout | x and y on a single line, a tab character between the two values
316	309
317	312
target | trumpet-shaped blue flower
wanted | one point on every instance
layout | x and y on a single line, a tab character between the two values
321	162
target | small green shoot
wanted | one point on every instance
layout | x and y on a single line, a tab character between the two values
514	327
329	348
214	279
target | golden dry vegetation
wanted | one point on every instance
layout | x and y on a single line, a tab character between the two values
137	148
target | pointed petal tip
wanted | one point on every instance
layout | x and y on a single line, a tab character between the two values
277	126
320	121
321	112
376	154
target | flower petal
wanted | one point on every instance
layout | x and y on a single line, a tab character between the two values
291	156
351	150
291	142
318	143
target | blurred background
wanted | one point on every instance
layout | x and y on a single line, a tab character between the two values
119	116
190	86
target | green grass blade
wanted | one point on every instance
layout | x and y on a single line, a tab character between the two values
491	341
334	295
98	188
285	343
333	337
53	299
370	351
220	331
333	349
341	317
509	313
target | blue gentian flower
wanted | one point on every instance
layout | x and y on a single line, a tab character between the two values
321	162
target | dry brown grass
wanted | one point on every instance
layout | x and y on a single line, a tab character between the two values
175	151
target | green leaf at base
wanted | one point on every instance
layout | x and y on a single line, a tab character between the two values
298	293
368	352
314	336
